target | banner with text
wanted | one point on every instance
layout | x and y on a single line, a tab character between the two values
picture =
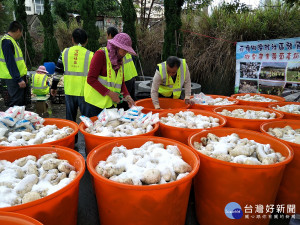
268	66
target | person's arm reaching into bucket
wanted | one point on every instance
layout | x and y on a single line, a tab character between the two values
98	66
126	95
154	89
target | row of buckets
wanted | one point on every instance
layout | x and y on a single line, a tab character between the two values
216	183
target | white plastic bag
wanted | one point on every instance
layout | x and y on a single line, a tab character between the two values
87	121
9	121
2	131
103	117
22	123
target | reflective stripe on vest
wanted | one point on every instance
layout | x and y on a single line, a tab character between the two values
112	81
165	79
39	84
18	56
44	83
76	61
86	64
109	84
129	68
127	60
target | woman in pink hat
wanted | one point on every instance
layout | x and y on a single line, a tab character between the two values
105	81
40	84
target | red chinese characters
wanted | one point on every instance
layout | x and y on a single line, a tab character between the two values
76	57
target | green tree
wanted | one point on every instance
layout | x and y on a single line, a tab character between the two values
235	7
108	7
73	5
197	4
6	15
51	51
21	16
103	7
291	3
129	19
60	9
172	35
88	15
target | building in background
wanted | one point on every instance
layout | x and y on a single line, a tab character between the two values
103	22
153	7
156	6
35	6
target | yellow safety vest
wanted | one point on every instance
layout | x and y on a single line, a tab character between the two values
128	66
112	82
39	84
76	62
4	73
168	87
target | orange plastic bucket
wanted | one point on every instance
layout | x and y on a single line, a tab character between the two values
59	207
144	205
219	183
164	103
68	141
212	107
290	116
250	124
259	104
289	191
91	140
182	134
8	218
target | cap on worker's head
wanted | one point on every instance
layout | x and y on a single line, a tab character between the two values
123	41
42	69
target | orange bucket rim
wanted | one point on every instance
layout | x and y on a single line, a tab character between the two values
13	215
55	194
236	130
63	120
161	99
185	179
82	127
263	130
212	114
48	143
236	101
279	115
274	97
283	104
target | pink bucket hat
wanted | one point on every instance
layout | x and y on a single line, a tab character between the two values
123	41
42	69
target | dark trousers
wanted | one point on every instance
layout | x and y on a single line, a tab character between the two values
72	104
16	94
130	84
92	110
